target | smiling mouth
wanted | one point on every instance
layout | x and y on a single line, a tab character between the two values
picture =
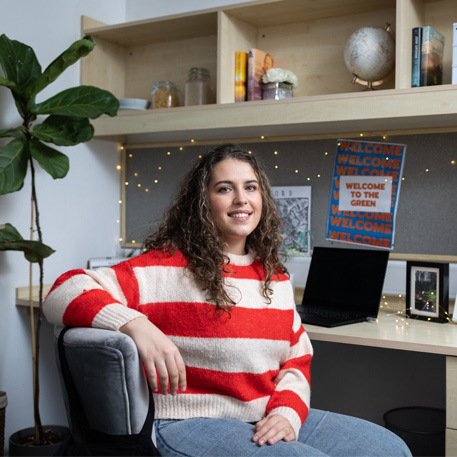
240	215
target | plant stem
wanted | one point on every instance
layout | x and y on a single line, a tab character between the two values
39	435
31	309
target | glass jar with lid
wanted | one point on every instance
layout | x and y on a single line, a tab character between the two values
198	87
164	94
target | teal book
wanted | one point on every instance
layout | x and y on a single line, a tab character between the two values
431	57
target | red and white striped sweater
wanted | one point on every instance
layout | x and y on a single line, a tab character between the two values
253	363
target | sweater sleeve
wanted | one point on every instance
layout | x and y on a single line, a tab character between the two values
105	298
291	398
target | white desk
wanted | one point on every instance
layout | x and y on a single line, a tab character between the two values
409	335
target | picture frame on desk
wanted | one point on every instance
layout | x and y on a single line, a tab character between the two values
427	291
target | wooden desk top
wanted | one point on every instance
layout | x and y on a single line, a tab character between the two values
390	331
393	331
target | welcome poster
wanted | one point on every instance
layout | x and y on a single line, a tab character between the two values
365	191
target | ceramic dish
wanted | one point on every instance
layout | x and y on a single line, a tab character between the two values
133	103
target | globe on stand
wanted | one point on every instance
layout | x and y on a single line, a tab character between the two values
369	55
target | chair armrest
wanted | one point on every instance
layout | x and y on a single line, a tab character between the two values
109	378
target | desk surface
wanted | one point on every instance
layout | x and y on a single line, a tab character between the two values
393	331
389	331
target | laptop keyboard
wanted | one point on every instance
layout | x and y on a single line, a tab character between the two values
328	313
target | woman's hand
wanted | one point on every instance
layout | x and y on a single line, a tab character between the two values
273	429
159	353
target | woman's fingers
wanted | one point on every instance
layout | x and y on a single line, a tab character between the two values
179	379
161	357
273	429
152	378
172	373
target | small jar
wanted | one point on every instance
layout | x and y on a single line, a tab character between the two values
164	94
277	91
198	87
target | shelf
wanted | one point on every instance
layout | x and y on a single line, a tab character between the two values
156	30
22	295
269	14
304	36
363	112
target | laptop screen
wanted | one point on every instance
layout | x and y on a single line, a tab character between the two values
347	279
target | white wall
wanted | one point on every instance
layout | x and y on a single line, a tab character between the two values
78	213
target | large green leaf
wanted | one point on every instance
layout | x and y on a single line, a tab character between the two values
18	132
13	166
52	161
81	101
64	131
11	240
77	50
19	63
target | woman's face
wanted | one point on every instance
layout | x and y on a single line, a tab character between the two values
235	201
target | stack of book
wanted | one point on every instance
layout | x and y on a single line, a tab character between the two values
427	57
249	69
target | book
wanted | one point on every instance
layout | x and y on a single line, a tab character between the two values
454	53
241	68
431	57
416	57
259	62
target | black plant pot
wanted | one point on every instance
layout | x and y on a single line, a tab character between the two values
19	449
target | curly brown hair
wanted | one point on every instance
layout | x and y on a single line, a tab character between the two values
188	225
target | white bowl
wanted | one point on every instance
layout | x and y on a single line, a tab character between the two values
133	103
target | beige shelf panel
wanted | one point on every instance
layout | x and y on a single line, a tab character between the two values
305	36
277	13
451	394
311	48
259	14
128	58
418	13
23	294
155	30
378	111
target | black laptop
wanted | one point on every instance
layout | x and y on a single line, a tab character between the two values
344	286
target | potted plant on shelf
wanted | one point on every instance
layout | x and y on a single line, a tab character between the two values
67	124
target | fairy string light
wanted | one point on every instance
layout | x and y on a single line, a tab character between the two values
283	164
402	316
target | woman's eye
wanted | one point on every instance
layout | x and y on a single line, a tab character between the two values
223	190
251	188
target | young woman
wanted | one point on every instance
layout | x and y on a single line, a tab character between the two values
212	313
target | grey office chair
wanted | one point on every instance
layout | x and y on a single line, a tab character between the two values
106	393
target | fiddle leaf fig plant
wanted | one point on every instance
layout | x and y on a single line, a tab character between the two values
61	120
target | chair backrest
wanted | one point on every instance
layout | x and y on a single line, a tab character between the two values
109	378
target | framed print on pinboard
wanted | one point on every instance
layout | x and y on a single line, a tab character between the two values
427	291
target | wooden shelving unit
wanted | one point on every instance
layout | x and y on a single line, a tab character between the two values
304	36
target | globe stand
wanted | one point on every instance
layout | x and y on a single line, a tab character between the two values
370	84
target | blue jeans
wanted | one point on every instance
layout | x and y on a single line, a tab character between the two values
323	434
